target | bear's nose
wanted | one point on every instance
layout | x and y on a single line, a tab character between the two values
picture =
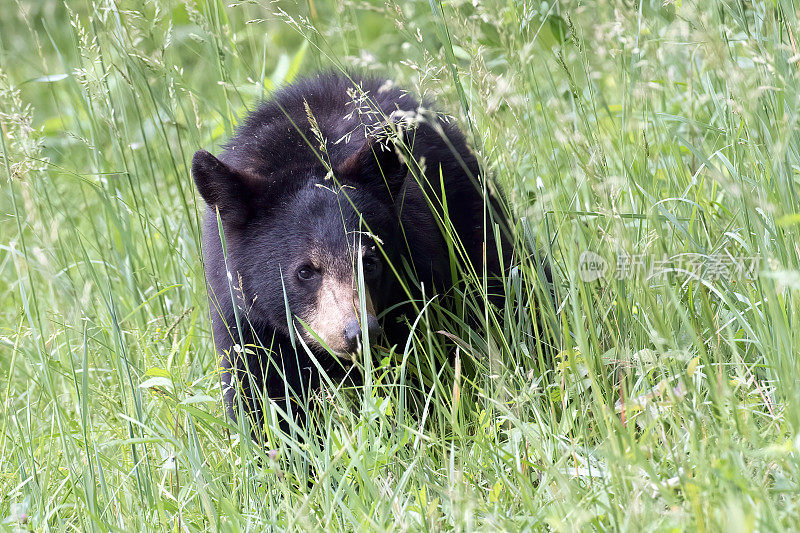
352	332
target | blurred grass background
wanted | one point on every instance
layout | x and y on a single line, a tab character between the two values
662	130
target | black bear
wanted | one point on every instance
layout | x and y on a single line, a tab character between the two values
337	178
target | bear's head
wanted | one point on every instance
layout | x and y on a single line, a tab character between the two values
297	237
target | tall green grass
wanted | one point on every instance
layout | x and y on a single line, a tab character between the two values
667	131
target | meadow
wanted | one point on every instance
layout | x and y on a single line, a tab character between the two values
649	149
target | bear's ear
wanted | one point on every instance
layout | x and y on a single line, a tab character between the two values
377	162
224	187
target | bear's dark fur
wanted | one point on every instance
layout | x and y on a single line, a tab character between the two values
331	168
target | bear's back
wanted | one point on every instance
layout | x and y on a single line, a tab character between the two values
283	135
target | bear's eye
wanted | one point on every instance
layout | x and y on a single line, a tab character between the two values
306	272
370	264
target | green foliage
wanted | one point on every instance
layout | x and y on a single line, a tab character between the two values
660	400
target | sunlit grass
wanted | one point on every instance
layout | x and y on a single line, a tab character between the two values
652	134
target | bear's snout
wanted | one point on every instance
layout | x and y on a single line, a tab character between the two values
352	332
335	318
